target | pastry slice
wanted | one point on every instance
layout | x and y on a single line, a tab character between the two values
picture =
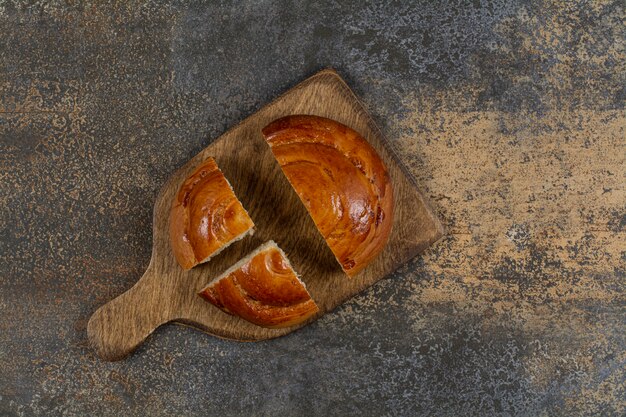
342	182
263	289
206	217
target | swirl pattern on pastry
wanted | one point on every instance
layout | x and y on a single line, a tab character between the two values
341	180
262	289
206	216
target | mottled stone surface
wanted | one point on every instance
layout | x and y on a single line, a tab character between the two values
510	115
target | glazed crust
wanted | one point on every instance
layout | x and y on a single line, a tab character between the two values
342	182
264	291
205	216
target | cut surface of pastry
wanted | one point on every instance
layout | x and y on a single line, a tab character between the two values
342	182
206	216
263	289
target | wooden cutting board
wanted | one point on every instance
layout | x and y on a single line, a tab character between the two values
168	293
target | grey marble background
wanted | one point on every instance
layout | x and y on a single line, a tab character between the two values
510	114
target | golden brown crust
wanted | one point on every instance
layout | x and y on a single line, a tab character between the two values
342	182
206	216
264	291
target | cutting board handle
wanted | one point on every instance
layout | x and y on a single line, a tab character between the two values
118	327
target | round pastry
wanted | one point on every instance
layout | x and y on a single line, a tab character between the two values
342	182
206	217
263	289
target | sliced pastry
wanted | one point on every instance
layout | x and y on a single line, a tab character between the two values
341	180
206	216
263	289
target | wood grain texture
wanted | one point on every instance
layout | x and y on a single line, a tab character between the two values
168	293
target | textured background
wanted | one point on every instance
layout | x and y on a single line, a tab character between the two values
510	115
